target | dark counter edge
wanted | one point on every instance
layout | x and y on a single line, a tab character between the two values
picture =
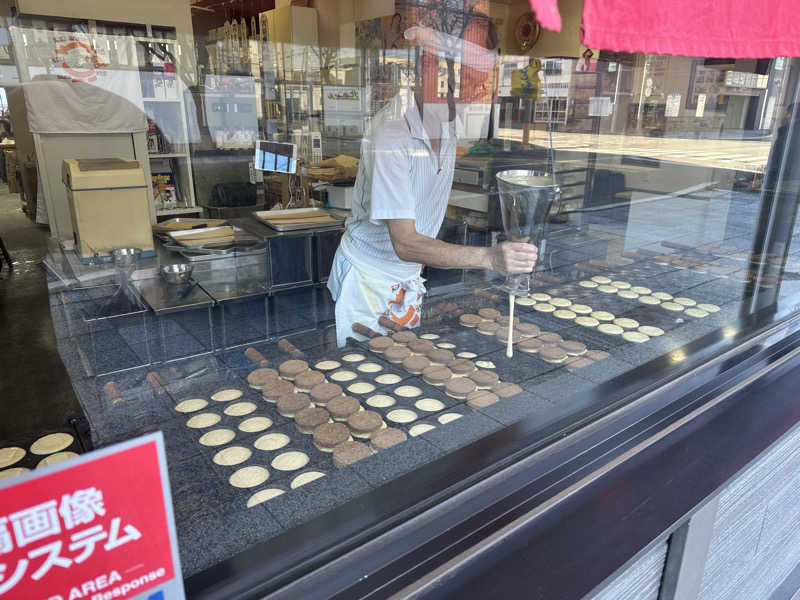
442	509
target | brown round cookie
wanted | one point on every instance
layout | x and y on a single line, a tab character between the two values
274	389
461	366
323	393
502	320
436	375
469	320
380	344
502	335
440	356
505	389
481	399
527	330
530	345
488	327
404	337
484	379
342	407
256	379
308	379
291	404
597	355
573	348
552	353
386	438
396	354
489	313
416	364
459	387
579	362
364	422
308	419
348	453
549	337
290	369
421	346
329	435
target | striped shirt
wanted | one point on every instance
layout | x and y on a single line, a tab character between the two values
399	177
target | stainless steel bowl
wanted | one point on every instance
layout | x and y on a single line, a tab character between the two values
124	257
179	273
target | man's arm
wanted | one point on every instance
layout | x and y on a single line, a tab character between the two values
506	258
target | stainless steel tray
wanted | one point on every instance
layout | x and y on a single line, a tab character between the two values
262	216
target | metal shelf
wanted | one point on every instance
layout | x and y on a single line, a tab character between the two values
180	211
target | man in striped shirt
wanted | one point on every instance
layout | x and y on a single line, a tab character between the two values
400	198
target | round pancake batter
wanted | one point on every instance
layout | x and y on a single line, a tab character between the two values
651	331
627	294
651	300
429	405
408	391
239	409
695	312
467	355
327	365
360	387
636	337
343	376
248	477
641	290
305	478
709	308
581	309
53	442
626	323
420	428
524	301
369	367
264	495
233	455
55	458
388	379
290	461
686	301
673	306
610	329
588	284
662	295
353	357
8	473
191	405
380	401
401	415
217	437
11	455
560	302
543	307
563	313
226	395
601	279
271	441
200	421
540	297
448	418
602	315
587	321
255	424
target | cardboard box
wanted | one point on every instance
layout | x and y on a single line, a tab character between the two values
109	203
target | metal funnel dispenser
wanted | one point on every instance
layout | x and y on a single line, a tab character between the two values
526	200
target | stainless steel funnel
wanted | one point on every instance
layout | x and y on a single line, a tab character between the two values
526	200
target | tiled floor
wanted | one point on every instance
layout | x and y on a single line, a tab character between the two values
35	392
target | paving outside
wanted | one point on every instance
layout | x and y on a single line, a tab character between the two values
35	392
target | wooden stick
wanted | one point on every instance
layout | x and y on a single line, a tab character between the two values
256	357
290	348
364	330
386	322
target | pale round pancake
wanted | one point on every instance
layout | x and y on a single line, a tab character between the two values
429	336
610	329
369	367
686	301
408	391
52	442
239	409
581	309
420	428
448	418
641	290
563	313
381	401
540	297
255	424
626	323
388	379
402	415
203	420
446	346
360	387
607	289
485	364
290	461
7	473
248	477
601	279
695	312
233	455
325	365
621	285
524	301
709	308
602	315
635	336
673	306
587	284
560	302
544	307
11	455
662	295
343	376
651	300
354	357
227	395
55	458
429	405
587	321
651	331
466	355
271	441
627	294
264	495
217	437
305	478
191	405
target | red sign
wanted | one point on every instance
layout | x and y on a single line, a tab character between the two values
98	527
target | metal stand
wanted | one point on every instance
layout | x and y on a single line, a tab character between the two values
5	256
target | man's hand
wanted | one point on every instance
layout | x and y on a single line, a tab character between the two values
510	258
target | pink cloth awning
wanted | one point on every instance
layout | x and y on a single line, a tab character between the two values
724	28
